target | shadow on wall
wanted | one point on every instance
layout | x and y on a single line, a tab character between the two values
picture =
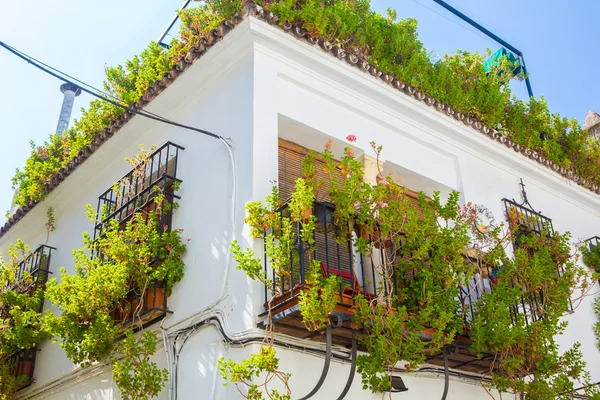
197	369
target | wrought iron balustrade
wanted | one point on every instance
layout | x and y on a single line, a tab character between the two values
592	242
31	274
36	266
137	190
335	255
21	366
531	304
362	274
135	193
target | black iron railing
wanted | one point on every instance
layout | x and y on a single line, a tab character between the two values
31	274
362	274
528	219
35	267
335	256
21	366
592	242
135	193
531	304
137	190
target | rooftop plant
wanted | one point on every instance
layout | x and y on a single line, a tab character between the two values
459	80
426	246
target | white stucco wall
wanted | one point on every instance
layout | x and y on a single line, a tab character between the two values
259	84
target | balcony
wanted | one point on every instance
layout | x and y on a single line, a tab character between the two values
360	274
527	221
137	190
21	366
139	310
31	274
33	270
592	242
135	193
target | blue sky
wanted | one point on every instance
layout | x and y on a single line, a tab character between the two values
558	38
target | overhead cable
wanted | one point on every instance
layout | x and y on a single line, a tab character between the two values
49	70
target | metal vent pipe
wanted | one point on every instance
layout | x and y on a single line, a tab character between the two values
70	91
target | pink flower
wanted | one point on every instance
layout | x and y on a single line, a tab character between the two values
329	144
351	138
383	204
349	152
383	181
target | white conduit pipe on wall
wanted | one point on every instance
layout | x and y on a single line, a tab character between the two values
249	337
173	358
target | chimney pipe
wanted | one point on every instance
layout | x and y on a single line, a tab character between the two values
70	91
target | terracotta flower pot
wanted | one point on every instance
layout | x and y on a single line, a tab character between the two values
155	298
306	216
27	368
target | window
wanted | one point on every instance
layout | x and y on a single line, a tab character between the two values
153	175
532	303
136	191
32	274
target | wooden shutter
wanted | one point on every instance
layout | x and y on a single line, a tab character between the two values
291	157
336	256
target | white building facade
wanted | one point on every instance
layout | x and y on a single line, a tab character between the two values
257	86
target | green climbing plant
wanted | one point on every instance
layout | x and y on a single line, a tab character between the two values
21	325
137	377
412	308
114	275
543	273
591	258
392	45
281	226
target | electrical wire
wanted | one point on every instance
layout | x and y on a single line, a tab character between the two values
155	117
224	285
172	359
456	23
446	375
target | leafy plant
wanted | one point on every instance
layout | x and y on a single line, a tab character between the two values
416	288
543	274
281	226
264	362
20	318
591	257
137	377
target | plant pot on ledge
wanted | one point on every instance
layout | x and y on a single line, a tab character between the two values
153	304
306	214
153	299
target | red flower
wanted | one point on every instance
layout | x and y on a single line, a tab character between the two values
351	138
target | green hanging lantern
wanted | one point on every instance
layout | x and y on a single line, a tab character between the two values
495	58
